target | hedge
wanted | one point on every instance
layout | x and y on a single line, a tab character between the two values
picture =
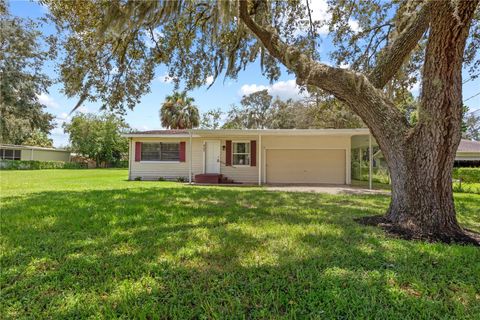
36	165
469	175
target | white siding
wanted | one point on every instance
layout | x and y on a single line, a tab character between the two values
245	174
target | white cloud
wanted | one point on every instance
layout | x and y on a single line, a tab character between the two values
319	13
47	101
282	89
209	80
165	78
354	25
415	89
247	89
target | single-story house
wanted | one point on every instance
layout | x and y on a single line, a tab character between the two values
272	156
244	156
18	152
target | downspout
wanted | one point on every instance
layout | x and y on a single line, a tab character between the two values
129	159
370	160
259	159
190	158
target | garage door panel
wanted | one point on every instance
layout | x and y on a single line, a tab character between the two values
306	166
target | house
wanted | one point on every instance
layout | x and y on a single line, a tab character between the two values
272	156
244	156
468	154
18	152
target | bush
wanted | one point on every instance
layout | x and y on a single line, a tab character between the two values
119	164
181	179
138	179
469	175
37	165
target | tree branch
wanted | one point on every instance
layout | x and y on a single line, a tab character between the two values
394	55
353	88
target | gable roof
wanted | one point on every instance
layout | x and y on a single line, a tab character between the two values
469	146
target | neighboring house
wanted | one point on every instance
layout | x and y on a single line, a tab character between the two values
299	156
17	152
468	154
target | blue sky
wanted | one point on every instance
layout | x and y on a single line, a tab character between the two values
221	95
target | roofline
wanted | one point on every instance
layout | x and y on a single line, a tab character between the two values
240	132
16	146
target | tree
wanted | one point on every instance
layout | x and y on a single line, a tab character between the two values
38	138
211	119
471	125
22	56
178	112
98	137
259	111
395	43
254	113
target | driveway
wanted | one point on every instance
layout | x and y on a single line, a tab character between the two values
324	188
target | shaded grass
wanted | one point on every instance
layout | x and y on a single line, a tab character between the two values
87	243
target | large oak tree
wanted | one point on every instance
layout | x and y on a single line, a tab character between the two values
114	46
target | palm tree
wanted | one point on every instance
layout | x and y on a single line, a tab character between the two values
178	112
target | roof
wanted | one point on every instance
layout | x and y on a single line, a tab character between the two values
16	146
469	146
240	132
154	132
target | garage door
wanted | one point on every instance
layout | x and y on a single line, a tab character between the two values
306	166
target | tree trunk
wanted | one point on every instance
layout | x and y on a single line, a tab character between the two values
421	162
422	203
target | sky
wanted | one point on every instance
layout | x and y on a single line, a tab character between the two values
222	94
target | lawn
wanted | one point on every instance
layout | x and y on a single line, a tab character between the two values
89	244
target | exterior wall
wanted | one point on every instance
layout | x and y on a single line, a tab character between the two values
154	170
26	155
45	155
168	170
245	174
468	156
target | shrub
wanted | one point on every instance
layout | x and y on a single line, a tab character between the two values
119	164
37	165
161	179
470	175
138	179
181	179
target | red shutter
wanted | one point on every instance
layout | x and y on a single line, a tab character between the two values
228	155
253	153
138	151
182	151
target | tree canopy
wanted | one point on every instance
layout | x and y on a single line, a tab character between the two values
23	52
260	110
113	59
98	137
178	112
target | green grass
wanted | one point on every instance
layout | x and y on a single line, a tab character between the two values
89	244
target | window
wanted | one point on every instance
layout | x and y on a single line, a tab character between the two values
160	152
241	153
10	154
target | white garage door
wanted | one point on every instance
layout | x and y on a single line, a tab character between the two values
306	166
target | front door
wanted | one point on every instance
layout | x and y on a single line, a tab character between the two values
212	156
